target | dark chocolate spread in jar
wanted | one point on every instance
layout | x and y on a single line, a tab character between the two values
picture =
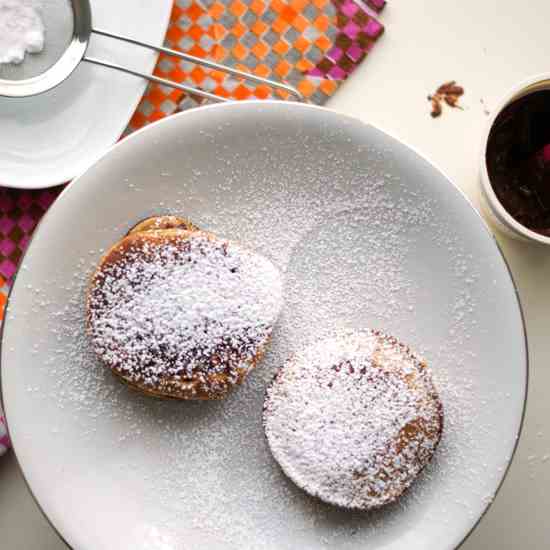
518	160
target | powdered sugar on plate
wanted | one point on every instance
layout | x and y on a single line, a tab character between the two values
366	234
345	256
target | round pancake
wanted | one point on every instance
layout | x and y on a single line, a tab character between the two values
181	313
354	419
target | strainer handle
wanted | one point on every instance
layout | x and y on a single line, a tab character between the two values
193	59
152	78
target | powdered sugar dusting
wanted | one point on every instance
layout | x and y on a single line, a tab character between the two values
353	419
364	238
181	308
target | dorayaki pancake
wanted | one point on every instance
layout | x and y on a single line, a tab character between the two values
177	312
353	419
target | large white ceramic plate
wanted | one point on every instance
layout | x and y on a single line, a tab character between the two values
367	233
50	138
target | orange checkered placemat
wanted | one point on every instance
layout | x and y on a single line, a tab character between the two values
312	44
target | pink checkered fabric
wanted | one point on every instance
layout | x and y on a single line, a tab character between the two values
4	439
20	211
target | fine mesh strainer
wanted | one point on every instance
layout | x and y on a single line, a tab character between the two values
69	27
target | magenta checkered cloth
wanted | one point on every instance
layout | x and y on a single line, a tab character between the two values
4	439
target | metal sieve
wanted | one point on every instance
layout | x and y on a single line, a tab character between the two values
16	81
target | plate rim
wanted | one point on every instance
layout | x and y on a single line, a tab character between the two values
298	105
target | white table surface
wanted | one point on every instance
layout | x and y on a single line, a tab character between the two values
488	46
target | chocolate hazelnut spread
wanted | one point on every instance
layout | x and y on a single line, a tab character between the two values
518	160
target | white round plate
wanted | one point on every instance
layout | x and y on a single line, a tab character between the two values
367	233
48	139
